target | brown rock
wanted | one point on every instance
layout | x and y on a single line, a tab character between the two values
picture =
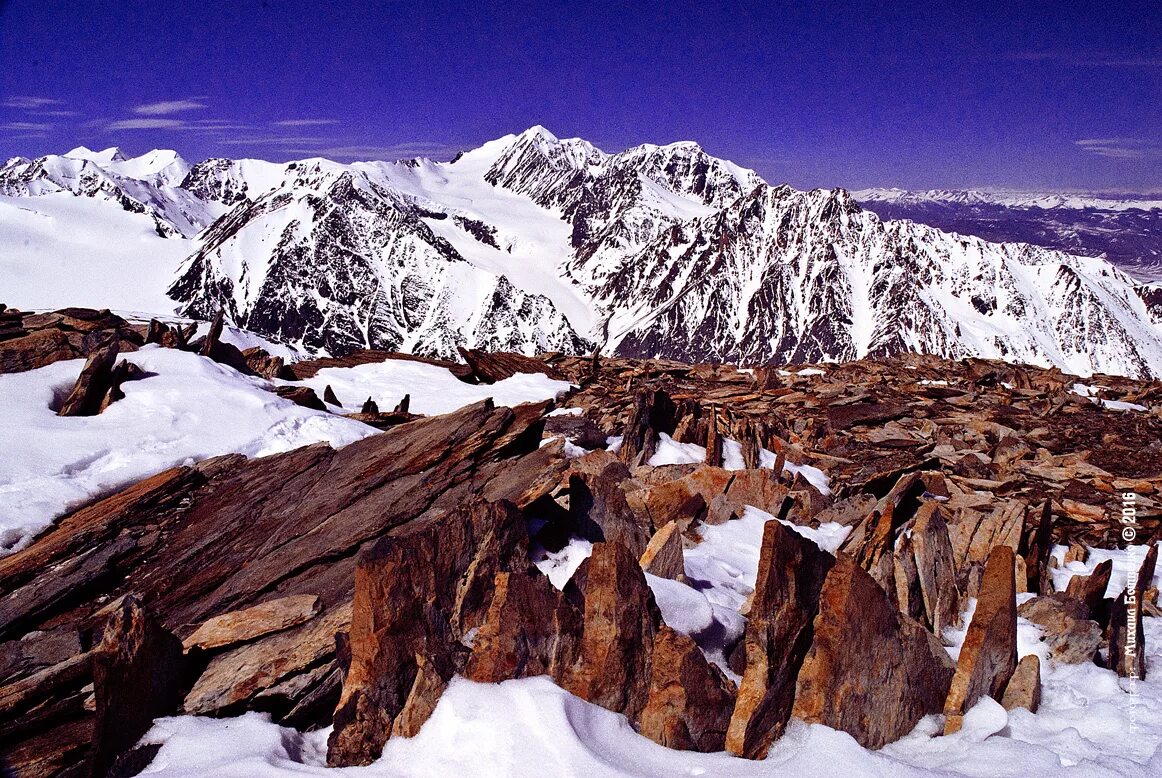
778	634
653	412
975	533
619	620
1036	550
36	349
233	678
262	363
488	368
871	671
842	417
1091	590
1024	688
989	653
758	487
1076	553
936	569
421	590
663	555
713	439
690	700
214	336
426	691
138	673
529	630
329	396
249	623
301	395
1070	635
578	429
600	512
1127	641
93	384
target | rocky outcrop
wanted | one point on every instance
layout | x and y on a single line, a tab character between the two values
779	634
258	565
490	367
1024	687
988	656
229	534
689	700
419	592
93	386
871	671
70	333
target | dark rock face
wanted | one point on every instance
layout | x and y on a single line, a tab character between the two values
778	637
600	512
94	383
138	675
871	671
989	654
419	593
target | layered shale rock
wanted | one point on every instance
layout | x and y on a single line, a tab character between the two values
199	543
778	637
988	656
348	587
871	671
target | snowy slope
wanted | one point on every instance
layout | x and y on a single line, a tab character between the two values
533	243
189	408
58	250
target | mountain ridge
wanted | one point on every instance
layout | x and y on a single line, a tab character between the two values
533	243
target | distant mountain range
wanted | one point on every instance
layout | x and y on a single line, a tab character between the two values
535	243
1123	229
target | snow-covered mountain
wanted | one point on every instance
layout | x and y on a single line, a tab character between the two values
1126	230
532	243
149	185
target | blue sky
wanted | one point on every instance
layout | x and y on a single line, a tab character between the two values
1059	95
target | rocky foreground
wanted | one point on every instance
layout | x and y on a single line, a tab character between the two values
347	587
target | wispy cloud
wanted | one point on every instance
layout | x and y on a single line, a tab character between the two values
56	114
167	107
146	124
1121	148
28	103
407	150
304	122
26	127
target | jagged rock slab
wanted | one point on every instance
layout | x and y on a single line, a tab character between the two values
778	637
988	656
871	671
419	593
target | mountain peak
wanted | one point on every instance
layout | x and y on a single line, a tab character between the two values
111	154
